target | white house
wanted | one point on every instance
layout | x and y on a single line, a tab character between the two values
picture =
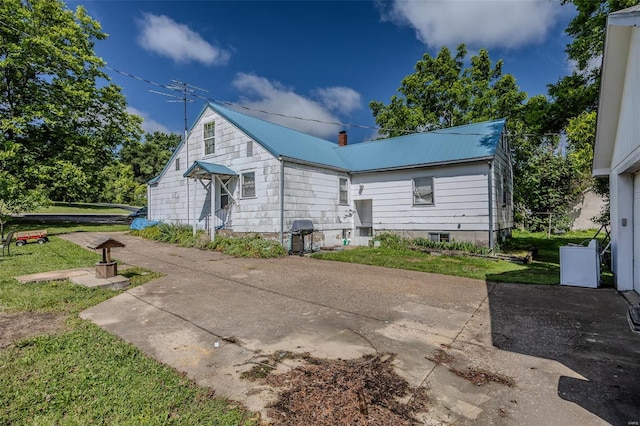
240	174
617	148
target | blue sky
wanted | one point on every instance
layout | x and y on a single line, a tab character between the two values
325	60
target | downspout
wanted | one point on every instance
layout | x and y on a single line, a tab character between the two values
214	196
195	202
490	186
281	201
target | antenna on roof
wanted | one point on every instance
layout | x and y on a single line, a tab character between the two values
185	90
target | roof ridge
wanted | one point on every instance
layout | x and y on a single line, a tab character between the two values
217	104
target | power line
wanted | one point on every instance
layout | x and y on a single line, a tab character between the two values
333	123
176	86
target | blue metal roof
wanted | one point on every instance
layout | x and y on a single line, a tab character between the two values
282	141
454	144
201	167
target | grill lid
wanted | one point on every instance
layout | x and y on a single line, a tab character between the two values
302	225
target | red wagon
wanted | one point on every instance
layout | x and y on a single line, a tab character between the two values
40	236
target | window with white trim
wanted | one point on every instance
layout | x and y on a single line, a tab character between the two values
423	191
249	148
343	191
177	163
249	185
209	138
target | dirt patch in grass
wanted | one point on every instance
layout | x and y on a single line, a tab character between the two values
365	391
18	326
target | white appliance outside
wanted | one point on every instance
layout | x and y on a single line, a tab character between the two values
580	266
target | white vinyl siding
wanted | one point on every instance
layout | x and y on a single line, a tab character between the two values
209	138
461	194
248	185
167	200
311	193
423	191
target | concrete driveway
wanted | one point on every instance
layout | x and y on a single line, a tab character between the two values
569	351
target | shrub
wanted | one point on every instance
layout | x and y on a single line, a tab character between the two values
248	246
453	245
394	241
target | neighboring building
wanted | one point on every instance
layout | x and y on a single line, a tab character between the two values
251	176
588	206
617	148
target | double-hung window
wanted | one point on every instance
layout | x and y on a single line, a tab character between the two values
209	138
343	197
423	191
248	185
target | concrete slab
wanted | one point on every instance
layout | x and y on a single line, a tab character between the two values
90	280
569	351
82	276
53	275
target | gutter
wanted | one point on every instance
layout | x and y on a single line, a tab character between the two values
281	200
311	163
413	166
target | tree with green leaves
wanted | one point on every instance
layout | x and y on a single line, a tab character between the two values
121	187
60	118
147	158
443	93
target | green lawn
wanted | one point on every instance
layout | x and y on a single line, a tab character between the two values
545	270
79	374
80	208
55	228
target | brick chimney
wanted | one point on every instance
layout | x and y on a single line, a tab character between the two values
342	138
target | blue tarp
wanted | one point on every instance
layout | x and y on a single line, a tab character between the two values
141	223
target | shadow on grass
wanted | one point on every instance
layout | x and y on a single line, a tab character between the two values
534	273
61	226
585	330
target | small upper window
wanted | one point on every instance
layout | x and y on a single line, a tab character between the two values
209	138
250	149
177	163
248	185
423	191
344	191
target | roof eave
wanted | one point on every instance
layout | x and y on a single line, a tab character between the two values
435	164
311	163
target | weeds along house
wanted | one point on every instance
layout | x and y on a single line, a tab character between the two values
238	174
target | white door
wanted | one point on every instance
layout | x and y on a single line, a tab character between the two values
364	222
636	232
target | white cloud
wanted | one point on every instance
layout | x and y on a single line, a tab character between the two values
341	99
262	94
166	37
477	23
148	125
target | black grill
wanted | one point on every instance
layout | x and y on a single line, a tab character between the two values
299	229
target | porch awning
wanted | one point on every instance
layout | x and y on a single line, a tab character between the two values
202	170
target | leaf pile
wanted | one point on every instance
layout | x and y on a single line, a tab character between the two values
366	391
